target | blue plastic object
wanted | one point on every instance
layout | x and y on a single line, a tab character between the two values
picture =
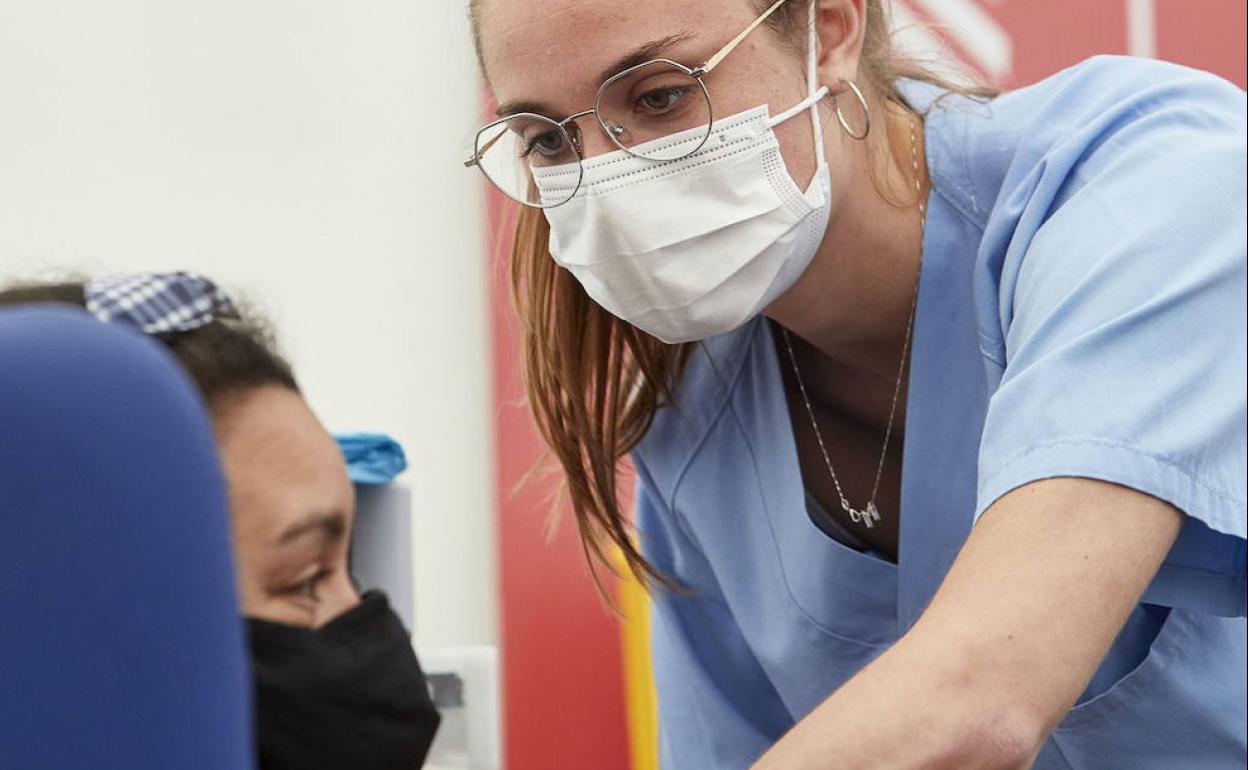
372	458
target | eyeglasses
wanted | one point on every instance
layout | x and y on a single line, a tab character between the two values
636	108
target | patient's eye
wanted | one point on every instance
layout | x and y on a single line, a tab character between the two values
306	588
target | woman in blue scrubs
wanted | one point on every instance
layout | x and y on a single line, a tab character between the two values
936	399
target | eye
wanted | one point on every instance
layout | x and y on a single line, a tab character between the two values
307	587
662	100
548	144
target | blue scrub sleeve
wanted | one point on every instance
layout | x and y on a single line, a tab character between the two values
1122	303
717	709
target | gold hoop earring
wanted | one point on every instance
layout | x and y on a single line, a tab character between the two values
866	111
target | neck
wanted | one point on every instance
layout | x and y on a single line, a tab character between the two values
853	302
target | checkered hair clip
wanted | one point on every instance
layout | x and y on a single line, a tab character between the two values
159	303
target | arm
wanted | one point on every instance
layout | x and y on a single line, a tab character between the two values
1121	332
1026	614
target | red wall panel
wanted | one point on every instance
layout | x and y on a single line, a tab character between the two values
1048	36
1208	34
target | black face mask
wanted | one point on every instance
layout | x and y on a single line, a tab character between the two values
347	696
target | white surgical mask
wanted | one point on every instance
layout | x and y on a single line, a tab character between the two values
695	247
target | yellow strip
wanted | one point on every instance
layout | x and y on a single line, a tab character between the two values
641	699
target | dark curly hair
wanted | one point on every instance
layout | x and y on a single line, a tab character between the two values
224	357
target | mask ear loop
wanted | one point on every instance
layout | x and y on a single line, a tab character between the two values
812	82
816	92
809	103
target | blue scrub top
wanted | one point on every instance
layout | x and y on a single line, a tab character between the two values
1081	312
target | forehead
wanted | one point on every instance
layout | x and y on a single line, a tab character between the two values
541	48
280	462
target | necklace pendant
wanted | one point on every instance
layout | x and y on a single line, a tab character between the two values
867	517
862	517
871	515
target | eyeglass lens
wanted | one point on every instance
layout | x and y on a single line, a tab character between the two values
636	109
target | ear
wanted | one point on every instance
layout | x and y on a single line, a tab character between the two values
840	26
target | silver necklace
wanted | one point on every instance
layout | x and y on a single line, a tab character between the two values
870	515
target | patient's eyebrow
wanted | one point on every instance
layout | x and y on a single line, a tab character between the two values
643	53
330	525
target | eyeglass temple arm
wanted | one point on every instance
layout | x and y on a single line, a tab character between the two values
477	156
719	55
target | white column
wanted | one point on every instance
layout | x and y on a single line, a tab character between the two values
1141	28
309	154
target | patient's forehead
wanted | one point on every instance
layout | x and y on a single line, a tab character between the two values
280	462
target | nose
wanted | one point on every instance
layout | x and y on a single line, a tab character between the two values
591	138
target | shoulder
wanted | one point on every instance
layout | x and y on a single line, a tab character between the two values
1108	106
1115	85
1075	121
1131	165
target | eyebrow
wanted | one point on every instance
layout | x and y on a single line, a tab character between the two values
643	53
331	525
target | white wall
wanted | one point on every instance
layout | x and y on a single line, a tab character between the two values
306	152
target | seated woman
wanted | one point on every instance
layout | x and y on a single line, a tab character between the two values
336	680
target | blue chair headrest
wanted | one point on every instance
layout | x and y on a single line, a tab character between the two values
121	644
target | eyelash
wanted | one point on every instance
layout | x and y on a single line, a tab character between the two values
307	586
530	146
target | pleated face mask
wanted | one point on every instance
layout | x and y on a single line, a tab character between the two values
690	248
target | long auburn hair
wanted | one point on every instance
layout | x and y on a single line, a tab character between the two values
594	382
